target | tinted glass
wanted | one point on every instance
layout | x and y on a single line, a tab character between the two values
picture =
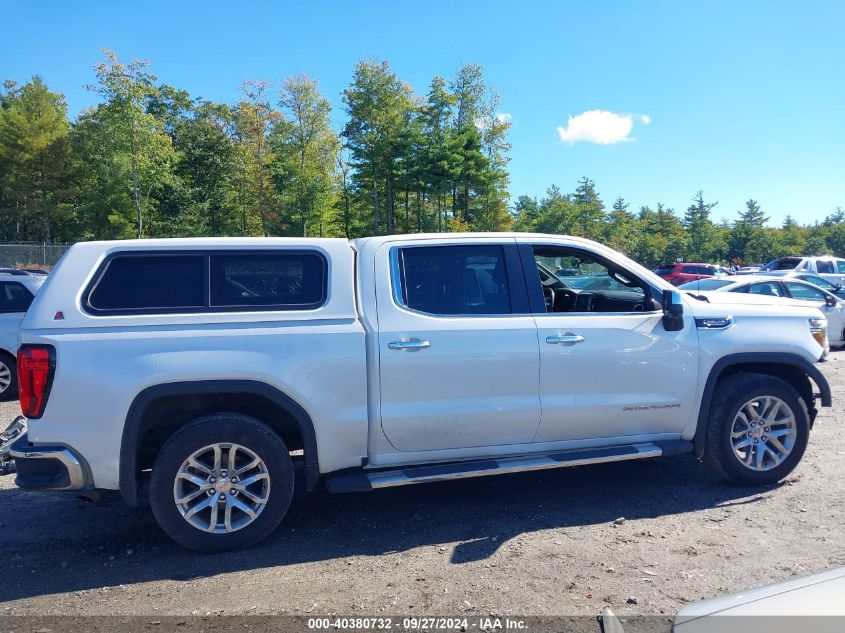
150	283
840	266
287	281
767	288
665	270
455	279
824	267
14	297
804	292
690	270
821	282
786	263
705	284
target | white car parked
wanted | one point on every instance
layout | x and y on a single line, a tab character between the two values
830	305
17	290
814	601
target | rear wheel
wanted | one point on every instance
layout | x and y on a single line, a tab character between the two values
8	377
758	429
222	482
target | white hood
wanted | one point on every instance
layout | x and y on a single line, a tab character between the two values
714	303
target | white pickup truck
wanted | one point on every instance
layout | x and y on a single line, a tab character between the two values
831	268
208	376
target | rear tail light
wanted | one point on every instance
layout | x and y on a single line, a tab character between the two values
36	366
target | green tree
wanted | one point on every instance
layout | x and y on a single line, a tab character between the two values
473	173
835	232
255	117
492	214
306	148
35	162
134	140
661	236
748	239
203	200
526	213
439	160
702	239
622	229
589	210
557	213
791	240
378	105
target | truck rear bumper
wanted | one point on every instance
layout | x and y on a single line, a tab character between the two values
48	467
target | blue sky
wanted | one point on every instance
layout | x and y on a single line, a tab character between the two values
745	99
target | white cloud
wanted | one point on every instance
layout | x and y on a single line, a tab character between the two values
600	126
504	117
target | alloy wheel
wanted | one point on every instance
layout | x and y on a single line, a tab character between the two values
763	433
222	488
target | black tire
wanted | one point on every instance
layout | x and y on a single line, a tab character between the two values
9	361
731	394
221	428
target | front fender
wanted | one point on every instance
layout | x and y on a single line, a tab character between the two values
761	362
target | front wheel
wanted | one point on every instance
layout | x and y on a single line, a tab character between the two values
758	429
222	482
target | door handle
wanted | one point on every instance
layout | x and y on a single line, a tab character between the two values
409	345
565	339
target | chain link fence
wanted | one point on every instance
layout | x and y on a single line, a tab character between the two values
31	255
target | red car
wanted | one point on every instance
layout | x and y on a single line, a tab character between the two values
677	274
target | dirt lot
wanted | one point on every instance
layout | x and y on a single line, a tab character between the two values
548	543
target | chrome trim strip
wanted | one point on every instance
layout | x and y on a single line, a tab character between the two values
714	323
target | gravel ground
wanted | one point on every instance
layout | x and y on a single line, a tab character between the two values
564	542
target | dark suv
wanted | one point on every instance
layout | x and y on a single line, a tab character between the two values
677	274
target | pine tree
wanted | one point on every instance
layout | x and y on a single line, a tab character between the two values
621	232
589	210
748	239
378	105
702	241
35	162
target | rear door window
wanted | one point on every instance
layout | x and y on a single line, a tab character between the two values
14	297
150	283
454	280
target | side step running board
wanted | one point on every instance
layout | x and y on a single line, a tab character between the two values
371	480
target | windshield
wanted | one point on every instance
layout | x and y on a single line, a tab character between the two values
784	263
